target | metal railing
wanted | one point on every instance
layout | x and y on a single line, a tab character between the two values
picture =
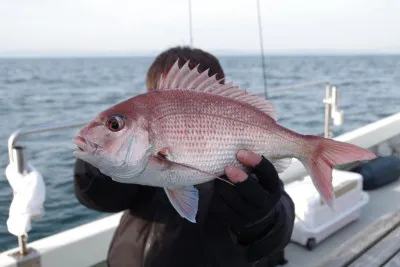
16	153
19	133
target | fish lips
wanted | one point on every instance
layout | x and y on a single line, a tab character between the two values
84	146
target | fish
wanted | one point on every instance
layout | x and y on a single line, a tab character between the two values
190	128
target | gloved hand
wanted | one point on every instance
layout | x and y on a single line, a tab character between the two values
249	206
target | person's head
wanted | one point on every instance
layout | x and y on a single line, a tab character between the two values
165	60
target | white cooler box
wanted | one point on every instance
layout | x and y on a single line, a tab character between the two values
315	221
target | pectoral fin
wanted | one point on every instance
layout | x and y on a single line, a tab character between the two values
185	200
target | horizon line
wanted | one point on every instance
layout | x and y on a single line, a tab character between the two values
220	52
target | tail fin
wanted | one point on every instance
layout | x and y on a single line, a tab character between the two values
325	154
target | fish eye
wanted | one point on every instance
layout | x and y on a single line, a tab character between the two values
115	123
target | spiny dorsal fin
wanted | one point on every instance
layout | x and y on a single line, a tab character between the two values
186	79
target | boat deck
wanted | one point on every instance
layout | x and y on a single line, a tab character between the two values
376	245
372	240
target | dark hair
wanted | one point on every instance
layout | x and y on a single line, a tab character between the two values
166	60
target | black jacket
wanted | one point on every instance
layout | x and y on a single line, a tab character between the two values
152	234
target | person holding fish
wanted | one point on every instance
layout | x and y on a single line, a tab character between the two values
194	164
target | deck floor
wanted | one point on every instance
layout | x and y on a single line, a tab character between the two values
382	201
375	245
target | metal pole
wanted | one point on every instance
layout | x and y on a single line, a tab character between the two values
327	109
190	23
20	160
262	48
22	245
12	140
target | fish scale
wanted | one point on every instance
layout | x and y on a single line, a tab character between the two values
210	141
189	129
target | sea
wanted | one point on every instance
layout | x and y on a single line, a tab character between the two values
42	92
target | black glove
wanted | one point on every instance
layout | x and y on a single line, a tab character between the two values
248	207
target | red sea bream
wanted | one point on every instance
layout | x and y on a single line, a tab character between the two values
189	129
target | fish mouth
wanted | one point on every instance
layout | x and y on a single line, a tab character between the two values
84	145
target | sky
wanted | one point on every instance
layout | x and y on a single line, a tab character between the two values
132	26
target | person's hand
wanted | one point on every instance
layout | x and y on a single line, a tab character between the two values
246	206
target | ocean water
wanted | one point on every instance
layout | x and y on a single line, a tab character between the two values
43	92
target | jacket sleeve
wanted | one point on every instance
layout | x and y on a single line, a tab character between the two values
99	192
277	233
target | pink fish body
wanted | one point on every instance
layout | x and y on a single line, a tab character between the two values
189	129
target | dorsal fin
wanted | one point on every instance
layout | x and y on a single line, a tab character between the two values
186	79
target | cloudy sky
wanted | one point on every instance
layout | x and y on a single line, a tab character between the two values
129	26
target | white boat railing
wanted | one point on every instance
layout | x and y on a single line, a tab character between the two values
16	153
